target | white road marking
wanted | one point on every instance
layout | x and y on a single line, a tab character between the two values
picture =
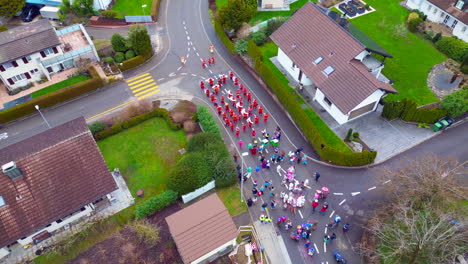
316	248
245	153
342	201
194	75
300	214
371	188
338	193
324	247
160	79
184	73
188	49
387	181
179	68
185	27
187	34
188	54
198	55
4	136
210	71
259	139
332	213
194	48
183	22
355	193
325	231
188	38
266	150
171	74
224	92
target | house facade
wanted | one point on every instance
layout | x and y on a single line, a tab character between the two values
36	51
97	4
316	47
451	13
50	181
272	4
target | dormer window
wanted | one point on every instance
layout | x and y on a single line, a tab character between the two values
328	70
460	4
318	60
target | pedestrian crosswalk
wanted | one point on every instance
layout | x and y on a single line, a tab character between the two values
143	86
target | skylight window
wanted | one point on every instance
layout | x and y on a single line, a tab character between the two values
318	60
328	70
2	201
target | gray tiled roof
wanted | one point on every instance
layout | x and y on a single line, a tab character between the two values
25	40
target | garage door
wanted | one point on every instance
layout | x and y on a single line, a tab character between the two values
362	110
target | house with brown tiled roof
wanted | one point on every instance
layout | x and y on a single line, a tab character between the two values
203	231
49	182
450	13
318	48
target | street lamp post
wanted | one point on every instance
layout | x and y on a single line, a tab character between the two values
43	117
143	8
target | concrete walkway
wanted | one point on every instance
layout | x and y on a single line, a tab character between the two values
273	243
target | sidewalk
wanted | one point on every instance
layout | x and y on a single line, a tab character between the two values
273	243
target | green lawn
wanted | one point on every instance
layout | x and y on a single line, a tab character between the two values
144	154
60	85
133	7
231	199
413	56
269	50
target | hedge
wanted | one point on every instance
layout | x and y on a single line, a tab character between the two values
207	122
131	63
407	110
156	203
305	123
53	98
452	47
190	173
120	126
223	37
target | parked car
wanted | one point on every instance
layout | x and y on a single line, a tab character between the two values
30	12
442	124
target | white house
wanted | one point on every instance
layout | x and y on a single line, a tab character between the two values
319	48
34	51
97	4
272	4
203	231
49	181
451	13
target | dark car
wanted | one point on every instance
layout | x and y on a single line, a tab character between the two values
29	13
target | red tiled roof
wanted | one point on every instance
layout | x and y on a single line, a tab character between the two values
449	7
63	170
310	34
201	228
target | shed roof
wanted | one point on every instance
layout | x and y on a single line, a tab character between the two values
201	228
63	170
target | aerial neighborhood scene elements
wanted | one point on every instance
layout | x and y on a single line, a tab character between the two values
233	131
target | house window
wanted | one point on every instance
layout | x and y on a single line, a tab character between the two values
435	11
294	65
441	14
328	70
2	201
446	19
463	29
459	4
8	65
50	70
327	101
318	60
33	71
454	24
19	77
429	7
49	51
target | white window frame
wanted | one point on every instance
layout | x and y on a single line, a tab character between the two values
327	101
7	65
328	70
19	77
49	51
454	24
318	60
458	4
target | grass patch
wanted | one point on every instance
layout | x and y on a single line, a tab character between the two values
413	56
101	43
132	7
269	50
59	85
220	3
144	154
231	199
265	15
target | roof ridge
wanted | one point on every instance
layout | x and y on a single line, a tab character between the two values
203	221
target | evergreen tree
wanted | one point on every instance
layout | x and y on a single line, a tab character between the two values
9	8
140	41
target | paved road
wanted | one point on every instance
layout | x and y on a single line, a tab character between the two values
185	30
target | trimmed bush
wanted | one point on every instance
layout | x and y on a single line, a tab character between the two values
131	63
129	54
189	174
109	60
52	98
414	24
273	25
456	103
118	42
452	47
258	37
253	51
207	121
200	141
223	37
392	109
464	69
156	203
119	57
407	110
109	13
241	46
437	37
97	127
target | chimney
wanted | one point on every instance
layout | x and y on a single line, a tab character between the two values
11	170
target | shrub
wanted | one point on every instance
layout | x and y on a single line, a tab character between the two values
420	13
109	60
140	41
200	141
411	16
190	173
437	37
407	110
349	134
456	103
119	57
414	24
131	63
109	13
3	28
392	109
272	25
241	46
464	69
258	37
223	37
129	54
156	203
146	231
253	51
356	135
207	122
235	13
97	127
452	47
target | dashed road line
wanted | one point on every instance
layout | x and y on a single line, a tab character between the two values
300	214
188	49
186	32
355	193
338	193
332	213
324	247
342	201
325	231
188	54
184	73
183	22
316	248
387	181
179	68
188	38
160	79
194	48
210	71
172	74
198	54
193	74
371	188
